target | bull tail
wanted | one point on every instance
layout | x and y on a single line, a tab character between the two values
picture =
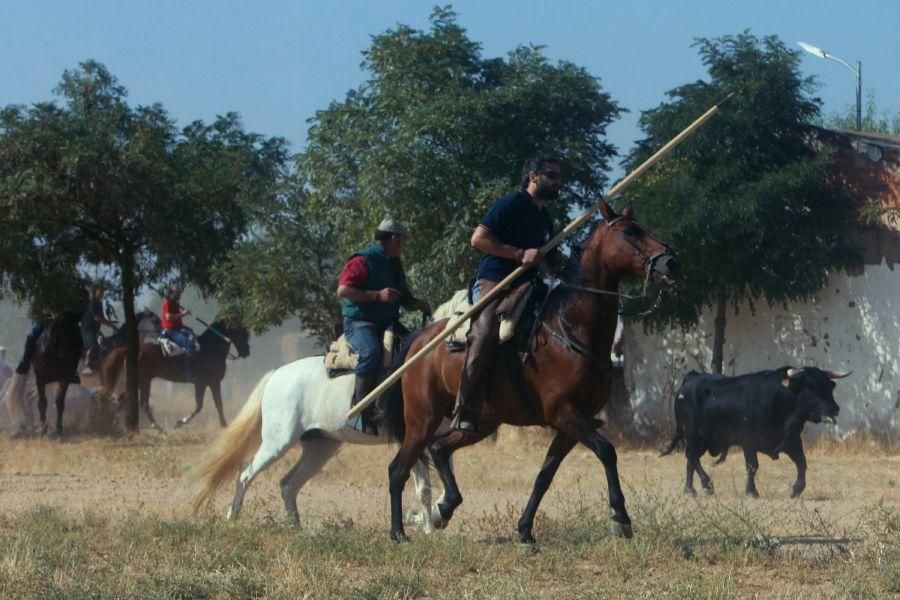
233	447
14	402
676	442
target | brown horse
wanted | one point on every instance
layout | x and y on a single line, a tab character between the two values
207	368
564	383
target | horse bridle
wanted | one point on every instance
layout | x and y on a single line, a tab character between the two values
649	263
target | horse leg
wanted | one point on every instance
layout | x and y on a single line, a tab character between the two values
430	517
145	404
314	454
561	445
268	452
60	405
42	405
441	451
199	390
581	428
216	389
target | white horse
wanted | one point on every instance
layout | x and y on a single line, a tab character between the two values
295	404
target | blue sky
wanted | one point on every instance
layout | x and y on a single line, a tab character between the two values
277	62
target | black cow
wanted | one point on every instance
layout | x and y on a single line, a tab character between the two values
761	412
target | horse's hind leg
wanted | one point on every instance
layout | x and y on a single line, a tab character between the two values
268	452
314	455
559	448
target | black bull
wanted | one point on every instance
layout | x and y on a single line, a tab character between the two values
761	412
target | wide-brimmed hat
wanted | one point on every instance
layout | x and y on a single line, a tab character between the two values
393	226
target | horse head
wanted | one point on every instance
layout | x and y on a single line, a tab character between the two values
238	335
627	248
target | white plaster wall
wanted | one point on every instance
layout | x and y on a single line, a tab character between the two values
852	325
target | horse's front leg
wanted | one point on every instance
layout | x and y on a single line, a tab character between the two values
42	405
145	404
60	405
560	447
581	429
442	450
199	390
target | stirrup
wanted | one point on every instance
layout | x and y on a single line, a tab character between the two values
464	422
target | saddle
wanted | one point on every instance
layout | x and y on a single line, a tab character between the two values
342	358
169	348
515	311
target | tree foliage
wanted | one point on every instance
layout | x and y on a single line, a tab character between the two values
746	201
94	183
431	138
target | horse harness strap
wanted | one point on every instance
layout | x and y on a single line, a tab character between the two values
593	290
572	345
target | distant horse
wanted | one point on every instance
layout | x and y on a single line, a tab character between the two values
149	326
564	384
295	404
56	355
207	368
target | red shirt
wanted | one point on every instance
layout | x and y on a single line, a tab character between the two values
171	306
355	272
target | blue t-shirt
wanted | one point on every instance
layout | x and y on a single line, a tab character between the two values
515	220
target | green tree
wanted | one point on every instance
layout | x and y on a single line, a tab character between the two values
873	121
431	138
97	184
746	201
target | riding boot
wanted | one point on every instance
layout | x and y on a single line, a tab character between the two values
482	342
364	385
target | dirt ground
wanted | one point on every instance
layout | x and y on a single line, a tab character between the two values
146	474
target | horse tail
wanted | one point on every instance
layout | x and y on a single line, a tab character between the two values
392	406
110	371
233	447
14	401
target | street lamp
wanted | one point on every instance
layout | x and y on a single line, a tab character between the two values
857	71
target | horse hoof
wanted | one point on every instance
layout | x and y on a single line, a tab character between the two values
528	548
621	530
399	537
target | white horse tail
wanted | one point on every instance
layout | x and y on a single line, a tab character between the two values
233	447
14	401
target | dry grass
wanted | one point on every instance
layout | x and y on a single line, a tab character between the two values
110	518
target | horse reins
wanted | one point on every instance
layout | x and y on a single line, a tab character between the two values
649	263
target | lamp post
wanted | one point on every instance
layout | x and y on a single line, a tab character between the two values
857	71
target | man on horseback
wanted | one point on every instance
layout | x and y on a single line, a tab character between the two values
90	329
40	323
372	287
173	329
512	232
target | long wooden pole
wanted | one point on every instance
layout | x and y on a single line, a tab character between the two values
486	298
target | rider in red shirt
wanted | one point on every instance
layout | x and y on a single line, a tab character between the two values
172	326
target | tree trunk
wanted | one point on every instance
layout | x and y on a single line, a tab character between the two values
132	343
719	337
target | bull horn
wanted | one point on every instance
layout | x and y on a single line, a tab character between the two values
791	373
834	375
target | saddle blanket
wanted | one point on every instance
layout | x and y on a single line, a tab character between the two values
342	357
170	348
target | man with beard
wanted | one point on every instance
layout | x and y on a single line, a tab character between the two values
511	234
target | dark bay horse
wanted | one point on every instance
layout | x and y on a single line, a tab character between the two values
207	368
56	355
564	384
